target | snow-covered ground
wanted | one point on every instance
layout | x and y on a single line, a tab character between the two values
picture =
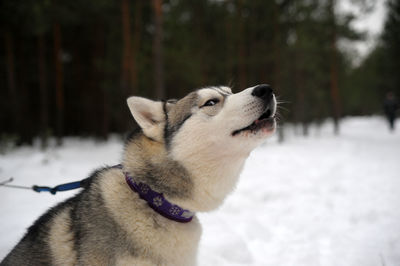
324	200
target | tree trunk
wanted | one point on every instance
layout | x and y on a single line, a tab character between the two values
300	114
44	115
12	90
229	51
200	35
136	45
242	77
98	74
58	82
126	54
77	67
157	50
26	126
334	88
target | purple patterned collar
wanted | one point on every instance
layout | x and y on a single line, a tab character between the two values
158	203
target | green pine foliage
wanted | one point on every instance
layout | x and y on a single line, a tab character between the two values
378	74
286	43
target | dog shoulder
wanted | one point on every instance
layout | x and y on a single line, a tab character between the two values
39	244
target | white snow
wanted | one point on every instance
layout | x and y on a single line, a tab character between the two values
323	200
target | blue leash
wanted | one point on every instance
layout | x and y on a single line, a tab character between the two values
52	190
62	187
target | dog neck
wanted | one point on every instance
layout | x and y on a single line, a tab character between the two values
215	169
148	162
158	202
195	183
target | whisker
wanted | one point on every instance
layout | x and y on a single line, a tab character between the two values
282	102
281	107
278	99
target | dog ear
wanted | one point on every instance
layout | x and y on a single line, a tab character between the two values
147	113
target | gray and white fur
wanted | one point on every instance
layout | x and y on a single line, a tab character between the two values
192	150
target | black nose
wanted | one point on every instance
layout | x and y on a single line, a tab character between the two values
263	91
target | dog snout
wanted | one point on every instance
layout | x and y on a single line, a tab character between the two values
263	91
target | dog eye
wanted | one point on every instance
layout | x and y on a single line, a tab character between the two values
211	102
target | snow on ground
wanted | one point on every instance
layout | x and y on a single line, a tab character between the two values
324	200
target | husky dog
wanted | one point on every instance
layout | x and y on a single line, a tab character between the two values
185	157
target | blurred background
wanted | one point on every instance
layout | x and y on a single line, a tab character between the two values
324	191
66	67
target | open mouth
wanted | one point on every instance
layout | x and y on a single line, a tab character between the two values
265	121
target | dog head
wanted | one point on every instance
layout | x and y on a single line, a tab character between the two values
210	132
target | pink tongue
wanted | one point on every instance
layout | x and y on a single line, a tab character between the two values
257	121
